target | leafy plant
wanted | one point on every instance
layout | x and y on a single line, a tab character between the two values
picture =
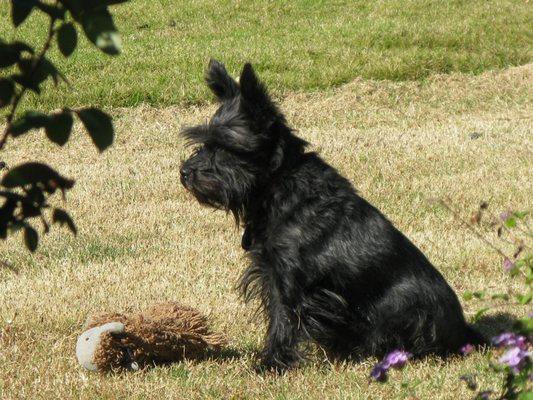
511	238
26	188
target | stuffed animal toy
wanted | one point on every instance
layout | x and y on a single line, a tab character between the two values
166	332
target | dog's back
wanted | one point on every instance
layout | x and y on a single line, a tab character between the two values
358	284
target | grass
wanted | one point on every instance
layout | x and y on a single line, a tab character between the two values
143	239
295	45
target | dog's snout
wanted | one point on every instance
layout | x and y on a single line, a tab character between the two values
185	171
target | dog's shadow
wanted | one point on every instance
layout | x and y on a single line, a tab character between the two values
492	325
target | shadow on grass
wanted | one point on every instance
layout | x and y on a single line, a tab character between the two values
492	325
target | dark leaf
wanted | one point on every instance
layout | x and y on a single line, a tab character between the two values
58	127
479	294
39	72
57	12
31	238
67	38
7	90
98	125
36	196
30	210
33	173
29	120
27	83
74	6
20	9
62	217
10	53
78	7
100	29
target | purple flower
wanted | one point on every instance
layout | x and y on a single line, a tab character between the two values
395	359
508	265
484	395
504	216
515	358
510	339
466	349
379	373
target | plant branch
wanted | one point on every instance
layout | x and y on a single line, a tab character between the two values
18	97
471	229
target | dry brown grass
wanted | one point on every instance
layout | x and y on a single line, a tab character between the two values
143	239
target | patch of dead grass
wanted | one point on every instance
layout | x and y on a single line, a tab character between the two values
143	239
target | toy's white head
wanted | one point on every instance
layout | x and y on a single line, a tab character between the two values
90	339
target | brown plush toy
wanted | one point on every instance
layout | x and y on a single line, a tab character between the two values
166	332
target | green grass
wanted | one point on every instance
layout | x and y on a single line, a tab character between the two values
295	45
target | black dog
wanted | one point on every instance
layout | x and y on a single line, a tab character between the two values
326	265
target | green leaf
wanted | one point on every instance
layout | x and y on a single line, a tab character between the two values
510	222
20	9
479	314
31	238
7	90
98	125
32	173
468	295
28	121
521	214
503	296
100	29
58	127
67	38
524	298
479	294
527	395
62	217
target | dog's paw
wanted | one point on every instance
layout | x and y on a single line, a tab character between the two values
276	364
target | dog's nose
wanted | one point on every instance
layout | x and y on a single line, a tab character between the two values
185	172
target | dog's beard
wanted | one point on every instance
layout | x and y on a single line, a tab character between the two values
208	192
212	193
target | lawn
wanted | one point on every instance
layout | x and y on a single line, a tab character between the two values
412	101
295	45
143	239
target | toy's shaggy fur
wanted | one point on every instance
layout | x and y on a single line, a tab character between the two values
326	265
166	332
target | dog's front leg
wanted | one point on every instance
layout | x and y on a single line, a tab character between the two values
280	352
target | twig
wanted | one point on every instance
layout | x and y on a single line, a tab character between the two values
18	97
471	229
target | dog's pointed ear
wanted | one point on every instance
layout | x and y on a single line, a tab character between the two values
251	88
220	82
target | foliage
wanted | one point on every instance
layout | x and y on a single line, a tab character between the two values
26	188
514	364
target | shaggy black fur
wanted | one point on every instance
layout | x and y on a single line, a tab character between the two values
326	265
